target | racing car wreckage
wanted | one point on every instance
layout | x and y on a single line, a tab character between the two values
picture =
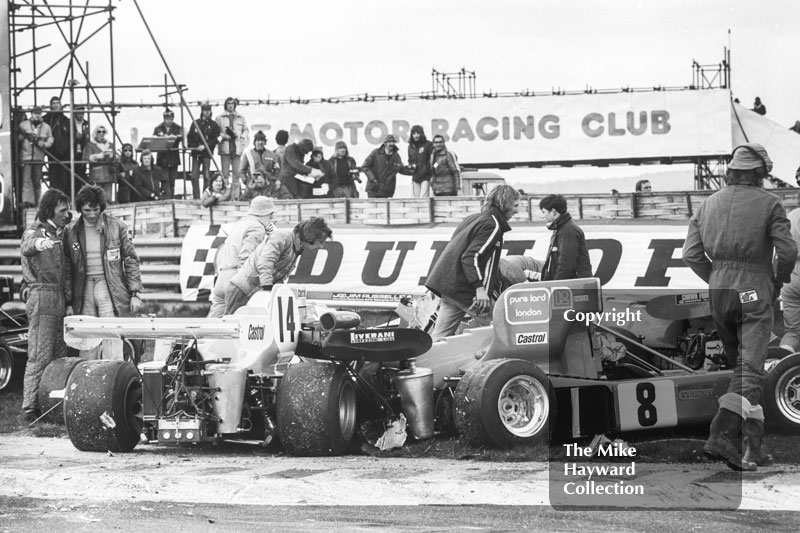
314	378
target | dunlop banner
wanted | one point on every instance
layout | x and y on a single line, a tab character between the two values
367	263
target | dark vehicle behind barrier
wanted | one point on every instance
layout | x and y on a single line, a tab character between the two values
13	335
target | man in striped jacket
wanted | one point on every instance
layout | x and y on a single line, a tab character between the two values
466	274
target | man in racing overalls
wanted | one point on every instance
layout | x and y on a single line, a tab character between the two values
730	245
45	271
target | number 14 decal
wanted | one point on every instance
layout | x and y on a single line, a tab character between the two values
647	404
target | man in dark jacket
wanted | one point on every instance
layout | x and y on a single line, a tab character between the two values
567	256
381	167
169	160
293	165
466	275
204	128
730	244
58	168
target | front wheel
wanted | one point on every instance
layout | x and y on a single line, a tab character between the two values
504	402
782	393
316	409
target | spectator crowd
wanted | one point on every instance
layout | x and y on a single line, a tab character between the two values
246	170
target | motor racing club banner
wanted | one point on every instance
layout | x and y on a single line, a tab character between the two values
378	264
509	130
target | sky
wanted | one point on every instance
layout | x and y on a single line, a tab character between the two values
264	49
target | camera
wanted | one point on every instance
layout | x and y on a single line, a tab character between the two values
229	132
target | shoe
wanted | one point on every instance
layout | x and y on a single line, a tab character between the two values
724	442
29	417
753	431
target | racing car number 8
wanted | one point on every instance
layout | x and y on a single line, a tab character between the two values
646	405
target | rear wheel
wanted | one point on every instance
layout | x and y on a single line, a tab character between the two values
103	406
316	409
504	402
782	393
55	378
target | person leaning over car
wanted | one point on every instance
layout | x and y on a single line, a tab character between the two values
245	235
273	260
45	271
465	276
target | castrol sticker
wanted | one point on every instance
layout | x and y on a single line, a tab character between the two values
538	337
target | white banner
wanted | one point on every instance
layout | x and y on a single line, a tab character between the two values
396	261
514	130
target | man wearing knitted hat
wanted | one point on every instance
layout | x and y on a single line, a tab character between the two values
730	245
245	235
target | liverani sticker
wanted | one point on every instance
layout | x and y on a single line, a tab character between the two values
691	298
373	336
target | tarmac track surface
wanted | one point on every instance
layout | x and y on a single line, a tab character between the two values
45	484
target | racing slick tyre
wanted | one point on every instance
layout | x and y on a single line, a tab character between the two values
316	409
55	378
781	394
103	406
7	368
504	402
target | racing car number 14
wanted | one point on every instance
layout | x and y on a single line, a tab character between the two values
646	405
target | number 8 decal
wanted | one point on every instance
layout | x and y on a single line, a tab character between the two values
646	396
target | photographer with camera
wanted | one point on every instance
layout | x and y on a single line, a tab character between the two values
234	139
99	153
35	135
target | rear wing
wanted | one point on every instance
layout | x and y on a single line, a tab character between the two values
84	332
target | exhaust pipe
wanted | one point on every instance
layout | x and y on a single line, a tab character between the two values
331	320
415	386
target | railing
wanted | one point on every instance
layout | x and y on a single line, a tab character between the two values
173	218
159	264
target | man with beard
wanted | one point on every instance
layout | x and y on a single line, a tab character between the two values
381	167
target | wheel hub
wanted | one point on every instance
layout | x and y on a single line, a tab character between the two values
523	406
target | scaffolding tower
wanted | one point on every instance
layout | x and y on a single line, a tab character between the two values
47	44
459	84
709	173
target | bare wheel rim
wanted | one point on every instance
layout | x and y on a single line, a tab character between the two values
347	410
523	406
787	394
6	367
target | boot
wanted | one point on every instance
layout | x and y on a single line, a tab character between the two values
753	431
724	443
